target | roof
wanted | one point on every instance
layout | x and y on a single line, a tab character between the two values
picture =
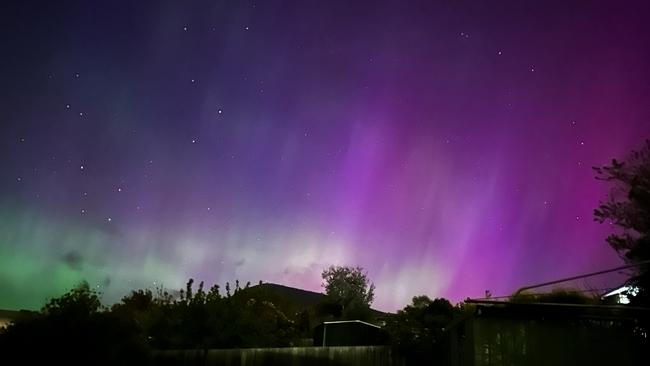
352	321
539	310
514	309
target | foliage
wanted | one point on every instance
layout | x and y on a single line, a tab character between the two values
417	331
76	324
245	318
628	207
80	301
259	316
350	288
74	329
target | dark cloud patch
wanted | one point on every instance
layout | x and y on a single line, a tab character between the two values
73	259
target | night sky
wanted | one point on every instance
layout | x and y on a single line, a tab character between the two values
444	146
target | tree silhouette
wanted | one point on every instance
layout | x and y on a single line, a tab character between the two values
417	331
81	301
351	288
74	329
628	208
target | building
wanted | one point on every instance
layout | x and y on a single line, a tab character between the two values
349	333
503	333
621	295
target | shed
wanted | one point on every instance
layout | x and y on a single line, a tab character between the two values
349	333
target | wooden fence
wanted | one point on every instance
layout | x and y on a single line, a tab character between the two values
290	356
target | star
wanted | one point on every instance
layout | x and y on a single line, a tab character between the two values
109	219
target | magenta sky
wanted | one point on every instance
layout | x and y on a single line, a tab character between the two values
444	146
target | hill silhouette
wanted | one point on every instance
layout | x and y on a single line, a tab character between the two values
298	297
293	300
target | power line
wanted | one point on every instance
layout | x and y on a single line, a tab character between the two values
628	266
